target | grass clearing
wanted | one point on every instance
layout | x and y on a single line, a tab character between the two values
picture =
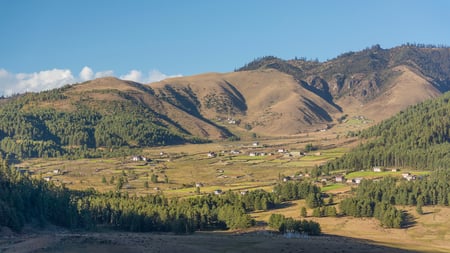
372	174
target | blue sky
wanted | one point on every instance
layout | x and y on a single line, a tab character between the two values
47	43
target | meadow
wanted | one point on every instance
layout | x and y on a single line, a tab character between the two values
235	166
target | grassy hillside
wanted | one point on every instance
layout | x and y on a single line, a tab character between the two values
371	82
267	102
73	119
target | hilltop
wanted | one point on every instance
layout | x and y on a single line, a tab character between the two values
374	82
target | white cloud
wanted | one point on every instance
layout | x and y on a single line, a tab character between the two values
155	76
152	76
86	74
23	82
12	83
134	75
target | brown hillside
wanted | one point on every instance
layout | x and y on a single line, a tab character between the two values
270	96
97	91
374	82
408	87
267	101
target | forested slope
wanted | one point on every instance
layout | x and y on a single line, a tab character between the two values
418	137
54	123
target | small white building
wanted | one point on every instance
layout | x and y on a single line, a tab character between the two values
405	175
377	169
285	179
339	179
235	152
358	180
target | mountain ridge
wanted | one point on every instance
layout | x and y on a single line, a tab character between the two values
267	97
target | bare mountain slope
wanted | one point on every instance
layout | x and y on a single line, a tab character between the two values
267	101
374	82
407	88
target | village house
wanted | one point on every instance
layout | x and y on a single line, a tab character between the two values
244	192
57	171
377	169
411	177
255	144
281	150
339	179
288	178
212	154
296	153
235	152
231	121
138	158
358	180
218	192
47	179
198	185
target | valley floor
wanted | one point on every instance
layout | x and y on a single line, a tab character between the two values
115	242
428	233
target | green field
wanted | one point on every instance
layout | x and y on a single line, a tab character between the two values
372	174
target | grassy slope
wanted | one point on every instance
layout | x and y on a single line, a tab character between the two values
275	104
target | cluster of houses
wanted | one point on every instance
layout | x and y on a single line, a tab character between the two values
341	179
253	152
220	192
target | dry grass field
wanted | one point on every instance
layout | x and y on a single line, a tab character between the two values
429	234
180	168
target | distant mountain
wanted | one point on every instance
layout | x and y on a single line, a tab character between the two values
269	96
374	82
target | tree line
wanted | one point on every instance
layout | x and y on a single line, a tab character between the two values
378	199
418	137
23	199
